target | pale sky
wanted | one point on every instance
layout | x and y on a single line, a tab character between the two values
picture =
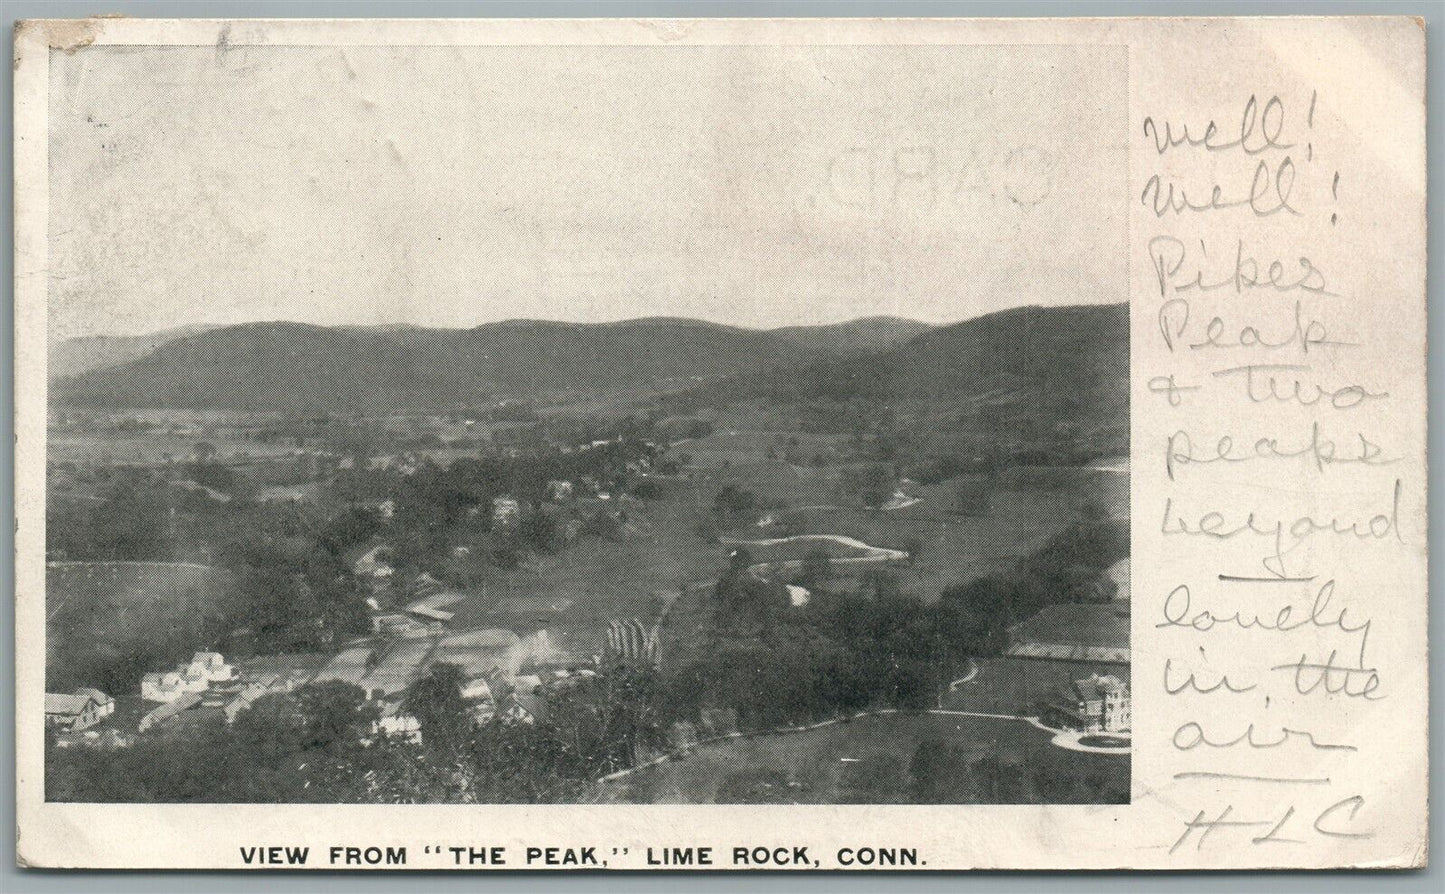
458	186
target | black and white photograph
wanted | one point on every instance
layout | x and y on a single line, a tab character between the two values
721	444
596	425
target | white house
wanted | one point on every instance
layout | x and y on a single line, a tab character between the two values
211	666
396	722
161	686
1117	708
196	675
477	689
1091	705
506	512
80	710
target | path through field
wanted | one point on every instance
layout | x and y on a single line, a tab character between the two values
871	554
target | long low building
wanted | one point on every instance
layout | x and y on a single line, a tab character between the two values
1068	642
79	710
384	669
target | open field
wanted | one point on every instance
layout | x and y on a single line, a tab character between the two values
865	760
594	580
147	449
951	548
777	482
737	446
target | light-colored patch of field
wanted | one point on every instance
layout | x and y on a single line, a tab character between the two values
794	550
821	766
289	493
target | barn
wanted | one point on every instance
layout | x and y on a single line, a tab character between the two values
1068	642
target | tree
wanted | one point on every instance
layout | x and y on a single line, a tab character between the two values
539	530
436	702
817	568
973	617
733	501
607	718
352	527
973	496
331	716
296	593
873	485
647	490
914	548
912	683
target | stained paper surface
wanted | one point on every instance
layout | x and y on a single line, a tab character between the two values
1210	234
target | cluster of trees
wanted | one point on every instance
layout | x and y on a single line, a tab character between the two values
591	727
842	653
872	485
319	744
128	519
1068	568
871	644
295	588
733	503
436	506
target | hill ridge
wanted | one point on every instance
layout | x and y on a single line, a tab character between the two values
288	365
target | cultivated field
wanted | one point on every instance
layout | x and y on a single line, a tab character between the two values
594	580
147	449
865	760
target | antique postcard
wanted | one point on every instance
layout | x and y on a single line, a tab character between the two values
721	444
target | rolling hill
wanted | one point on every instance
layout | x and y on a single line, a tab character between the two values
1035	370
866	334
1050	362
297	367
74	356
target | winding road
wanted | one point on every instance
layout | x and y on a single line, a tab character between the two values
871	554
